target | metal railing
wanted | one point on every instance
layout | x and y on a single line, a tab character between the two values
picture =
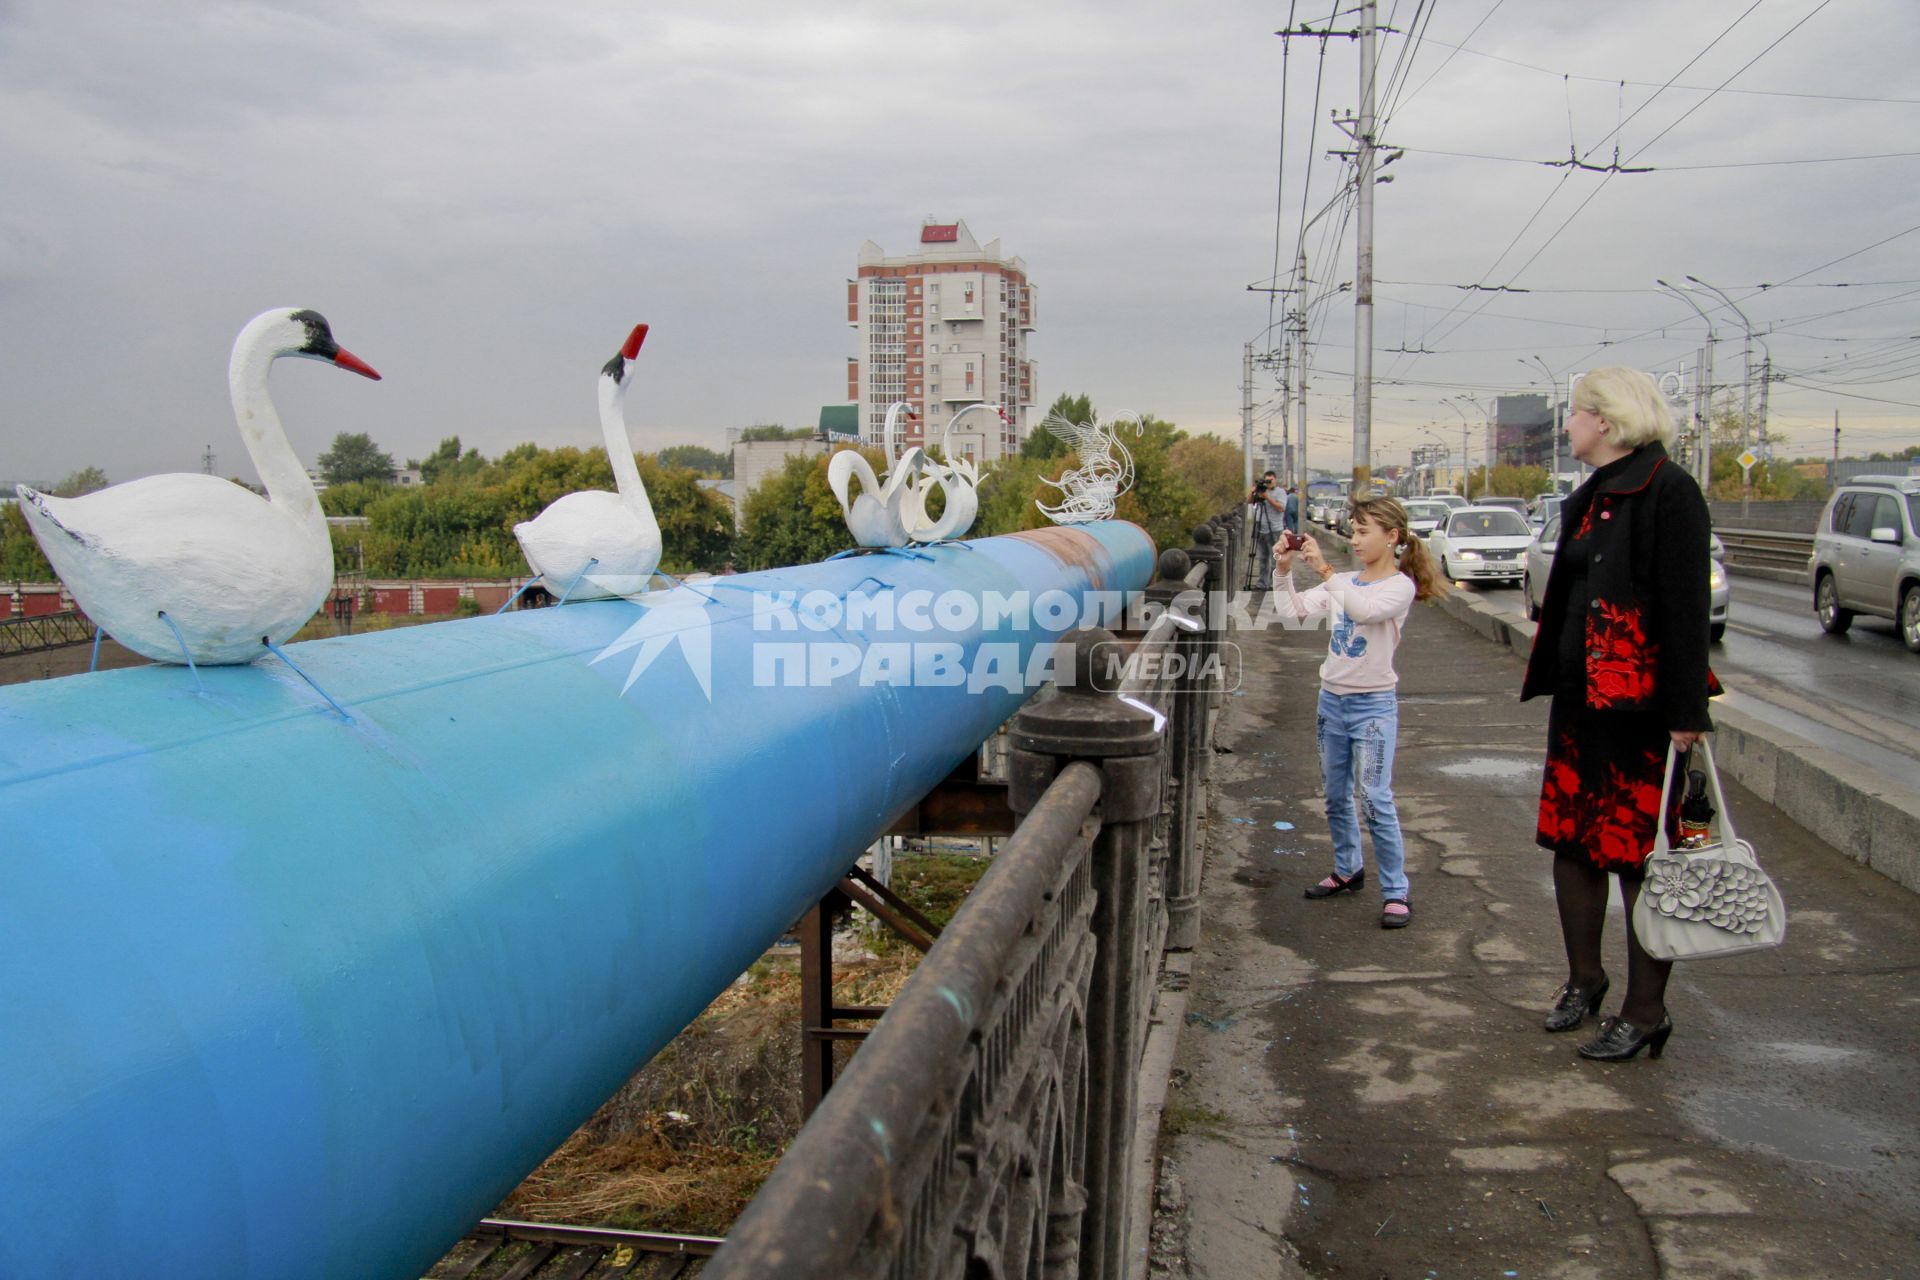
1767	549
986	1126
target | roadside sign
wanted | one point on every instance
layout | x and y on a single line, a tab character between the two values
1747	460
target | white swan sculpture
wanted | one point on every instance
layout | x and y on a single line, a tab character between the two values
595	545
879	516
958	479
179	567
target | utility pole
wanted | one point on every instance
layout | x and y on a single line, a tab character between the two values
1246	417
1363	269
1300	384
1833	481
206	460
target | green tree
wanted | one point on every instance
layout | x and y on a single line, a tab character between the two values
1162	501
1508	482
1043	444
696	458
1773	481
20	558
352	499
1214	467
85	480
793	518
354	456
1007	490
448	463
774	431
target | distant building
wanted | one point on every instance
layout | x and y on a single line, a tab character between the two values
943	328
408	477
755	460
1522	430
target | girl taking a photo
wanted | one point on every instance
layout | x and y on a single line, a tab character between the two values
1359	714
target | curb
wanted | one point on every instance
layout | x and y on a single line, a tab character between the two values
1859	813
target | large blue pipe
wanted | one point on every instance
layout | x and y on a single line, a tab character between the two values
286	994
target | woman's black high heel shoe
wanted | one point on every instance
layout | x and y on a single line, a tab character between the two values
1620	1040
1572	1004
1334	884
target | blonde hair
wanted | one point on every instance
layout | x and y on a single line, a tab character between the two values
1628	401
1415	560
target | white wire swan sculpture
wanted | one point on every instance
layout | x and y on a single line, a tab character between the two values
1092	490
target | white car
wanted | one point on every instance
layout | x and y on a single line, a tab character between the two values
1482	544
1424	514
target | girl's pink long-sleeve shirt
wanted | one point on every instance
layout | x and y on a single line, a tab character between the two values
1367	620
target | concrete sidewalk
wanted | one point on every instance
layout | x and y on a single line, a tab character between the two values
1354	1102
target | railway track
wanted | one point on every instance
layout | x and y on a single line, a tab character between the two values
502	1249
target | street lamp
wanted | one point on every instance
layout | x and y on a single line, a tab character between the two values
1746	390
1703	417
1466	454
1553	407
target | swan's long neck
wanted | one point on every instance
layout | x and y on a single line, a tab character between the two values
626	473
893	418
288	485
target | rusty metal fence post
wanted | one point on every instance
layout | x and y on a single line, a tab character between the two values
1082	724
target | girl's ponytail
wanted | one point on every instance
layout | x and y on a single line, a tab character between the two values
1417	563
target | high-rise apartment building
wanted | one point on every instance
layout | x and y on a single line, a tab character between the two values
943	328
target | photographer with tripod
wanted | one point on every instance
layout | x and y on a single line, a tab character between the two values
1271	506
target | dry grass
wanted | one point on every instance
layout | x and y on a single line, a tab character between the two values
687	1142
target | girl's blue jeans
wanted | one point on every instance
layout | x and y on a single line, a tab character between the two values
1357	732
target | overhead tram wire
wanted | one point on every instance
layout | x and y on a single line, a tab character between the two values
1659	168
1614	132
1648	84
1280	181
1644	147
1763	288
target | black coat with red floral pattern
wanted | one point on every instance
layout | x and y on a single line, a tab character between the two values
1645	617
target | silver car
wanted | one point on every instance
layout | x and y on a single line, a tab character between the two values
1866	555
1540	555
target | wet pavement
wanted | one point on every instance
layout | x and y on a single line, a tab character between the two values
1350	1101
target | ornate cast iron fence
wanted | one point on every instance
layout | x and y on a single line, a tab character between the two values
986	1126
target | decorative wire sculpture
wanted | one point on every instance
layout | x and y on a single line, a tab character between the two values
1090	491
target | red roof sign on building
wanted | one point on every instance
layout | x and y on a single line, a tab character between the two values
937	233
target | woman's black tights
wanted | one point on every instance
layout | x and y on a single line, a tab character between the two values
1581	892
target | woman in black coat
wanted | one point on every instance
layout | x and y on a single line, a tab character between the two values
1622	651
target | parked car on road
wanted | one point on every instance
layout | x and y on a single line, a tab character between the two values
1866	556
1544	508
1482	544
1424	514
1539	562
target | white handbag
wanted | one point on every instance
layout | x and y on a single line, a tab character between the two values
1712	900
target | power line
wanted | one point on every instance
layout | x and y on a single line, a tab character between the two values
1607	178
1648	84
1576	163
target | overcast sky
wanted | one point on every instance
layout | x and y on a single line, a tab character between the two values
483	197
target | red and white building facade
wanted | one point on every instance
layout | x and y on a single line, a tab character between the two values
941	329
